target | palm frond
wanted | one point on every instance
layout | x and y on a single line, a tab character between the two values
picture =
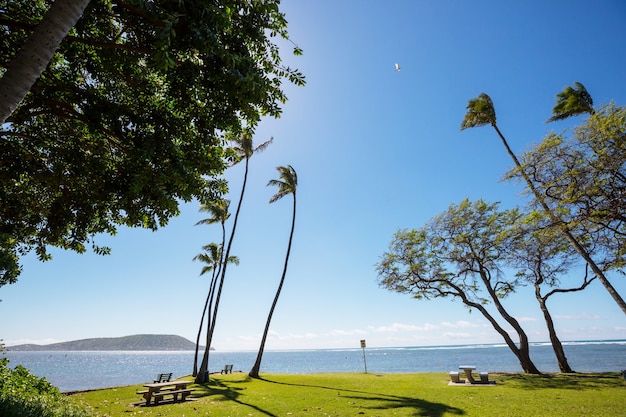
572	101
243	146
480	112
218	210
287	183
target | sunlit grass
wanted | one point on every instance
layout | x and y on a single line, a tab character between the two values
426	394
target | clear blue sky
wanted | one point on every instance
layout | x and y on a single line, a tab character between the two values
375	150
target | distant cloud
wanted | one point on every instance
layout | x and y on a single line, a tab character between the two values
347	332
399	327
460	324
32	342
459	335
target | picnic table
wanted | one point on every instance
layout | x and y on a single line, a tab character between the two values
157	390
467	369
468	372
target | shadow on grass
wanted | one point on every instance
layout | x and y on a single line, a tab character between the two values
576	381
386	401
226	391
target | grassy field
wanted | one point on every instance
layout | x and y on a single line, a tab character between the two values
372	395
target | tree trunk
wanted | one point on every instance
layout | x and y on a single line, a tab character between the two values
564	228
207	307
204	366
554	339
256	368
33	58
524	351
505	335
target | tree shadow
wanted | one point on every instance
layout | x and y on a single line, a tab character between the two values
227	391
386	401
576	381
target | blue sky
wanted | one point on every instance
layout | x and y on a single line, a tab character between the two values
375	150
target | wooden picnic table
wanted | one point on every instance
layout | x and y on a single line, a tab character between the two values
156	391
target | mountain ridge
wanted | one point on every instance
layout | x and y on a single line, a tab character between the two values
138	342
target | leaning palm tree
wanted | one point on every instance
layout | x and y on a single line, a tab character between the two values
480	112
212	257
572	101
244	148
287	184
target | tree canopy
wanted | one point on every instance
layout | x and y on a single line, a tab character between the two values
129	117
460	255
581	174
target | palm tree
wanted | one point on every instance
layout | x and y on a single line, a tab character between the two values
572	101
244	148
212	257
30	61
287	184
480	112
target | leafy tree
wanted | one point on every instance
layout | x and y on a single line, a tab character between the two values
458	254
243	147
541	254
480	112
582	176
23	394
128	118
287	185
572	101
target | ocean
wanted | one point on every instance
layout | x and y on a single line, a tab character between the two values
88	370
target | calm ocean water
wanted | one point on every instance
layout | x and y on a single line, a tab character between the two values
84	370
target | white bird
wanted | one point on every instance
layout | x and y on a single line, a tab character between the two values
397	67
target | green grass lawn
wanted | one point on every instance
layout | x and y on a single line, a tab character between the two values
424	394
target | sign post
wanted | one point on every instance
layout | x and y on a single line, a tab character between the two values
363	347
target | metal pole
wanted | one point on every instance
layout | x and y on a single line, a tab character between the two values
364	361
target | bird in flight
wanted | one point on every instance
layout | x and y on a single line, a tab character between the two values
397	67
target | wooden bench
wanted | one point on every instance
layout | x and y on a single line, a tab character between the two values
228	369
163	378
158	396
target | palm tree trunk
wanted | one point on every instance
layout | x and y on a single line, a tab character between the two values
554	339
201	377
566	232
31	61
254	372
207	306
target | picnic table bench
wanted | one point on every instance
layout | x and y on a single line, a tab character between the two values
467	369
163	377
157	390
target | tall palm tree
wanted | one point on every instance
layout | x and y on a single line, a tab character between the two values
572	101
244	148
481	112
212	257
30	61
287	184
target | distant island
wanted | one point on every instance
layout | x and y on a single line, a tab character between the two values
152	342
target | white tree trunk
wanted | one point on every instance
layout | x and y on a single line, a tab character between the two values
33	58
